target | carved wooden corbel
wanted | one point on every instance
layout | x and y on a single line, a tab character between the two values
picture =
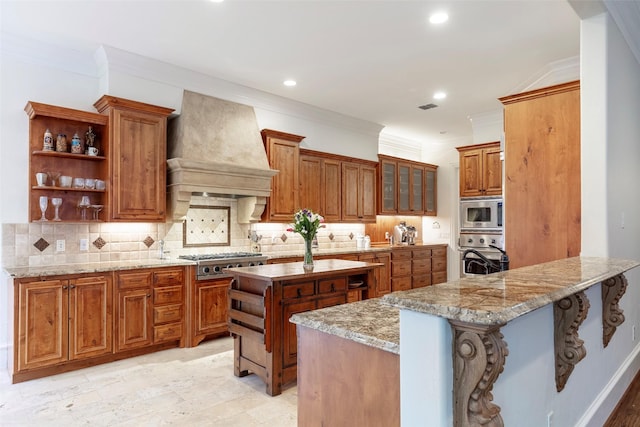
479	354
612	317
568	314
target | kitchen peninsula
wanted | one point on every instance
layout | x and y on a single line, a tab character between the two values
263	298
476	309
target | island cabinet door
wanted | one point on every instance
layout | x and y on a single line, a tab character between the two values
289	338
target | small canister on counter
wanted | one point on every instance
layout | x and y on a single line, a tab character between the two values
367	242
48	141
61	143
76	144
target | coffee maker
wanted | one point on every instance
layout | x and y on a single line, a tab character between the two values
404	234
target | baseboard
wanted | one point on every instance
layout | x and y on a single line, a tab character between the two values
606	401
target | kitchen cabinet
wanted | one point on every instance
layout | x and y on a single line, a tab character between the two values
417	266
150	307
262	301
406	187
283	153
320	185
542	174
358	192
137	143
61	319
480	170
60	120
382	273
208	310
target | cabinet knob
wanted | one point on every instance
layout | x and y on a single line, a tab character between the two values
148	295
72	286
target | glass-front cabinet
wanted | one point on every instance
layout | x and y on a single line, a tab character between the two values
406	187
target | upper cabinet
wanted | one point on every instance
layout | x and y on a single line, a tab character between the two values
480	170
283	153
57	160
406	187
138	142
320	185
358	191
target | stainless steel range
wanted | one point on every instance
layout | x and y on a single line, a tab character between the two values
214	265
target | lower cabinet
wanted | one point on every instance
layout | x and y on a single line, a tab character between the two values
382	284
208	309
418	266
59	320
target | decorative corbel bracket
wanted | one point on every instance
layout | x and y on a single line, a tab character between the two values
612	290
479	353
568	314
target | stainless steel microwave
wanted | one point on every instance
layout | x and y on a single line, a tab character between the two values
481	214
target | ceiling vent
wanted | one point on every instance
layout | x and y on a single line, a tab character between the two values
427	106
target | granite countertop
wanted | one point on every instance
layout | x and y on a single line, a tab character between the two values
97	267
368	322
293	270
498	298
376	247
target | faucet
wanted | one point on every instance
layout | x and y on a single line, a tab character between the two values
162	251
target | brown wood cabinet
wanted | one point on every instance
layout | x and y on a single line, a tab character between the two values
150	307
320	185
406	187
137	141
542	174
265	342
358	192
480	170
60	120
61	319
283	153
208	312
417	266
382	273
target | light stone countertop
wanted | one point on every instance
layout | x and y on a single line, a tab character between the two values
377	247
368	322
97	267
498	298
294	270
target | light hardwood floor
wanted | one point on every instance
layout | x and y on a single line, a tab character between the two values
190	386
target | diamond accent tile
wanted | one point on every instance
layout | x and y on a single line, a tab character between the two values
331	236
148	241
41	244
351	236
283	237
99	243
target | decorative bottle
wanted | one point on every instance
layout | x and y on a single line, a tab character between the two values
76	144
48	141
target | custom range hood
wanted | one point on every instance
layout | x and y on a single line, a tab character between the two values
215	148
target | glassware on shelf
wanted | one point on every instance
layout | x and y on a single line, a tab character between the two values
83	205
56	202
96	210
44	202
53	176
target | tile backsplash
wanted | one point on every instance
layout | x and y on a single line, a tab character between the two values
22	243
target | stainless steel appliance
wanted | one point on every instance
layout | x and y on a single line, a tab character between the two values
404	234
209	265
482	253
481	214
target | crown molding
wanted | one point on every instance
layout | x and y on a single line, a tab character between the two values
561	71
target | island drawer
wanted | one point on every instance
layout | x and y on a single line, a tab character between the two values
298	290
167	313
167	295
134	280
332	285
168	277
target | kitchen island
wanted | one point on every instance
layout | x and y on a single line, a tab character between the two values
476	309
263	298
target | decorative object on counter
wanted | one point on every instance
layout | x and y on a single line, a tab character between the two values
307	223
53	176
48	141
76	144
44	202
61	143
41	179
56	202
90	140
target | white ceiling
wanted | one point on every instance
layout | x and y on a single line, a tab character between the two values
374	60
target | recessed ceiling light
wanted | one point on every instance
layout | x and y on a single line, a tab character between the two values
216	1
289	83
438	17
439	95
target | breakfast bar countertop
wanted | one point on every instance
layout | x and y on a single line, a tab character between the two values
498	298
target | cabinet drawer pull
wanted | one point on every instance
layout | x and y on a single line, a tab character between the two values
333	287
299	292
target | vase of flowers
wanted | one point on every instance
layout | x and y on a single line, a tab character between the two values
307	223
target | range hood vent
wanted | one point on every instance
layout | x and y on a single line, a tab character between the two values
215	147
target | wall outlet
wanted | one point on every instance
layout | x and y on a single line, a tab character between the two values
59	245
84	244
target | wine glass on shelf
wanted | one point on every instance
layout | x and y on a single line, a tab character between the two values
96	211
83	205
56	202
53	176
44	202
